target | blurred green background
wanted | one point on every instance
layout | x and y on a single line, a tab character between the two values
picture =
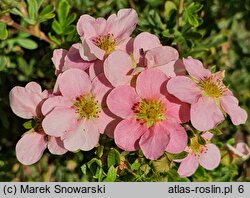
216	32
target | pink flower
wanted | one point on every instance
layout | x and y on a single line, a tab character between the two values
79	115
165	58
208	156
64	59
242	150
26	102
208	96
144	51
120	66
100	36
151	118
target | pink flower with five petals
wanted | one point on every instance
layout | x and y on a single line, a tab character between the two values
210	99
100	36
151	118
208	156
79	114
26	102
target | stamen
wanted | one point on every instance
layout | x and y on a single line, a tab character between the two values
87	107
196	148
106	42
149	111
212	87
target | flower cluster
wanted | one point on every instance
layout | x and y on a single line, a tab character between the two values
135	90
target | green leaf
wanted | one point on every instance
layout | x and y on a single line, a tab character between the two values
231	141
94	166
33	10
99	174
69	29
169	8
162	165
71	19
194	7
213	69
113	158
29	124
94	161
216	131
84	169
135	166
145	168
63	11
201	140
53	38
190	14
27	43
57	27
47	13
99	151
111	175
3	31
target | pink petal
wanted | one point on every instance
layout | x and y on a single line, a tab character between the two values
117	68
59	121
34	87
230	105
178	137
74	60
122	25
149	83
210	158
195	68
56	90
74	83
124	45
91	135
243	148
85	137
103	120
207	136
173	68
179	68
184	89
89	52
95	69
24	102
161	56
55	146
86	26
168	69
188	166
121	100
100	87
30	148
55	101
205	114
127	134
154	142
109	130
58	59
176	110
144	41
98	52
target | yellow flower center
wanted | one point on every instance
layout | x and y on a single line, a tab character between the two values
150	111
106	43
195	146
213	88
87	107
